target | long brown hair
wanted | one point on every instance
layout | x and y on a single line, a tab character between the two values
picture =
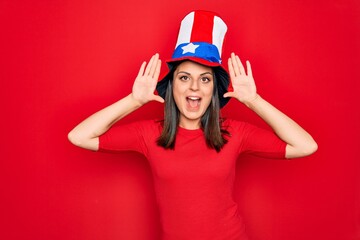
210	121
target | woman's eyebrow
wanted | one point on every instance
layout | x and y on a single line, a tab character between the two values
206	73
183	72
190	73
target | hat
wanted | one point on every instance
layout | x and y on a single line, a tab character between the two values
200	39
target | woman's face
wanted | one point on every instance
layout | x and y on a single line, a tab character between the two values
193	86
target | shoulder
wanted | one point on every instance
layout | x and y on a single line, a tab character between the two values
139	127
231	124
147	125
152	123
237	126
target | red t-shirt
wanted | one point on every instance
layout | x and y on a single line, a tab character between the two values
193	183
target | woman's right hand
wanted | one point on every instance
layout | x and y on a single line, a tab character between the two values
86	134
146	80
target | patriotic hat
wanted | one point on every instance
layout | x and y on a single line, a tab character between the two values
200	40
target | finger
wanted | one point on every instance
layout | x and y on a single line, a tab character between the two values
229	94
248	68
154	65
250	75
141	70
231	69
157	70
242	69
235	65
148	67
158	99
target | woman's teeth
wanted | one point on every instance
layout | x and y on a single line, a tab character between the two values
193	101
193	98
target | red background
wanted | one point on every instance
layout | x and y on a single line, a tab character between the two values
63	60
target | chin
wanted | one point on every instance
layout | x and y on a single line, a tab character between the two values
193	116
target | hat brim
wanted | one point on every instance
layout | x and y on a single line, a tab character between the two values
222	77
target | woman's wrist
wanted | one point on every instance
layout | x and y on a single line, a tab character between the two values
137	103
251	103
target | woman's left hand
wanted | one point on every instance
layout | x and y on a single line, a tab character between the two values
244	88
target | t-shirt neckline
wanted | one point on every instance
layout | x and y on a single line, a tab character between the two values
189	132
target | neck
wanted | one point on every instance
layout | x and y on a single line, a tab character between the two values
190	124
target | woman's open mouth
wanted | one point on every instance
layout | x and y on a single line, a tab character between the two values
193	102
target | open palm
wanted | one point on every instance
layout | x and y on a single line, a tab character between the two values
146	80
244	88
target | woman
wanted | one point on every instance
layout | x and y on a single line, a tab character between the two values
193	152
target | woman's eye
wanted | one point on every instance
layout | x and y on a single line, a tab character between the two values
184	78
205	80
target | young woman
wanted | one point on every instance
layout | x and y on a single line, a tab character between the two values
193	152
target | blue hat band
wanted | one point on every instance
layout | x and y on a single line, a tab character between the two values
206	51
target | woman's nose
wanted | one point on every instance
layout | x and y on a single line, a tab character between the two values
194	85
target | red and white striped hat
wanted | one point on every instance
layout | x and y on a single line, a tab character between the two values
200	39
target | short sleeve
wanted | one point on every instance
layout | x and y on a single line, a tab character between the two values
127	137
258	141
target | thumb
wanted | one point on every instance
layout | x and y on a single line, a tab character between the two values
158	99
229	94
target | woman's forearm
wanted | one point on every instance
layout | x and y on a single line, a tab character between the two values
86	133
300	143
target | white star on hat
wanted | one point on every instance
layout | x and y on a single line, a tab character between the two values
190	48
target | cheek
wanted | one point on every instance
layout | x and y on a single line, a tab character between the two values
177	92
208	92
